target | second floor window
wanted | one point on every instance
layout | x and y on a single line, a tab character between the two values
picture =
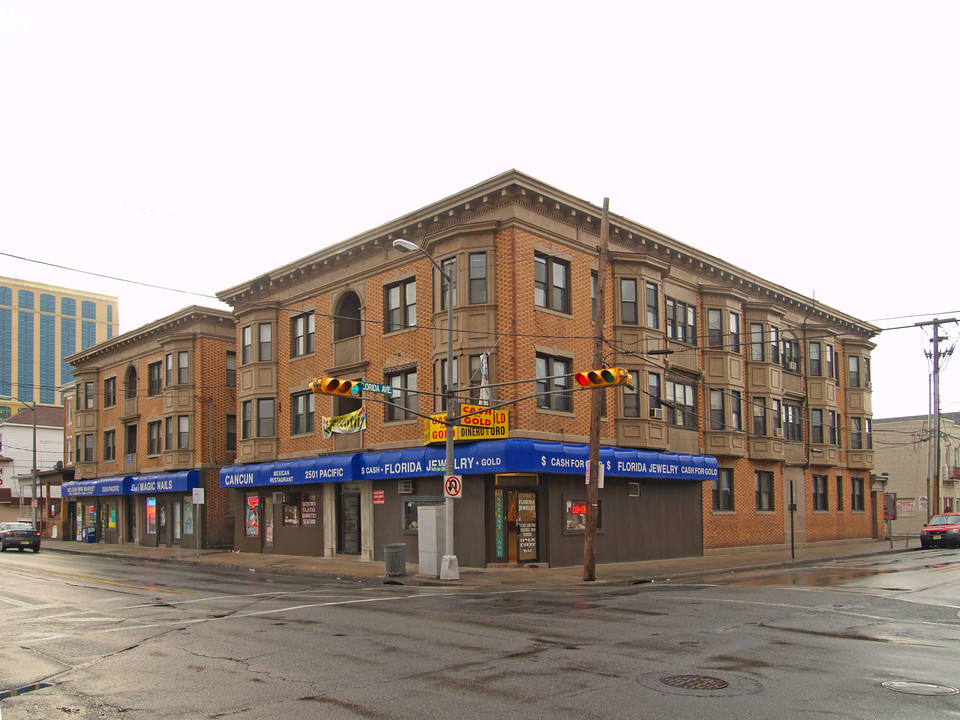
231	369
856	433
154	438
110	445
266	417
183	432
681	402
816	426
400	305
302	332
792	423
404	396
302	413
551	283
554	383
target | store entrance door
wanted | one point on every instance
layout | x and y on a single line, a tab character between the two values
515	525
350	519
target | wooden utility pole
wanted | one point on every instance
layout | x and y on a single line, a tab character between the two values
933	498
593	463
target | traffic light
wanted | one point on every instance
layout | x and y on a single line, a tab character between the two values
603	377
334	386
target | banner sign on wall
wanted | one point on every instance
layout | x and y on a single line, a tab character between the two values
349	423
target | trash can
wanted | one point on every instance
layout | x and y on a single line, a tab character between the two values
90	535
395	559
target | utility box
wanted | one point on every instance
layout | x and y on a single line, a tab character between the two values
431	536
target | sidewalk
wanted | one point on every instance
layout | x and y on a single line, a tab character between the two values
715	561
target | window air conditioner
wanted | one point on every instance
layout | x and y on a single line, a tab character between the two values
656	413
778	432
792	365
867	385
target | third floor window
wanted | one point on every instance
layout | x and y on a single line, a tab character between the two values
302	332
551	283
400	305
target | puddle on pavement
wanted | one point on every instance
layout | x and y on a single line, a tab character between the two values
814	577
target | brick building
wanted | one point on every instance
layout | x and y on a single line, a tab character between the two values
150	417
745	394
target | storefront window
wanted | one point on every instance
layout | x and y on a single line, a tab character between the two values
188	516
291	509
410	523
308	508
575	517
151	508
252	515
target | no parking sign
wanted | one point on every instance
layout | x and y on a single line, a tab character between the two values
452	486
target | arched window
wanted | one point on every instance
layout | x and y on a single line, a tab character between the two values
347	321
130	382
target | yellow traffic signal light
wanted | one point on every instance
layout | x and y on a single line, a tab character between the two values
603	377
334	386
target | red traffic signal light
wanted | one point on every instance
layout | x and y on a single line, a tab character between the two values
603	377
334	386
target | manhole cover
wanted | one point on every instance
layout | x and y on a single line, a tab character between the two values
681	682
920	688
695	682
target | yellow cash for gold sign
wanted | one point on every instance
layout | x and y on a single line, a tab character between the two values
484	425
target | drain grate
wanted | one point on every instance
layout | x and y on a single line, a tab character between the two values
695	682
920	688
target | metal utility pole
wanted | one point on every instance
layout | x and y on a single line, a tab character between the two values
593	463
933	498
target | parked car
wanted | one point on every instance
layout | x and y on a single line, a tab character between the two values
19	535
942	531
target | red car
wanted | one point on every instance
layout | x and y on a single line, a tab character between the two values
942	531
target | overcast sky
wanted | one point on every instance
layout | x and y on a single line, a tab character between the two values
196	145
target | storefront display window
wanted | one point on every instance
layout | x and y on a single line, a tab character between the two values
252	515
291	509
410	524
308	509
151	508
575	517
188	516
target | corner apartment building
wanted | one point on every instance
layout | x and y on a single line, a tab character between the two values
749	412
149	419
907	458
40	325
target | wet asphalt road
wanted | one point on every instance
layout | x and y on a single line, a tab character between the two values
96	638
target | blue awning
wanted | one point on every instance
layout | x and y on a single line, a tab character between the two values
182	481
494	456
97	486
